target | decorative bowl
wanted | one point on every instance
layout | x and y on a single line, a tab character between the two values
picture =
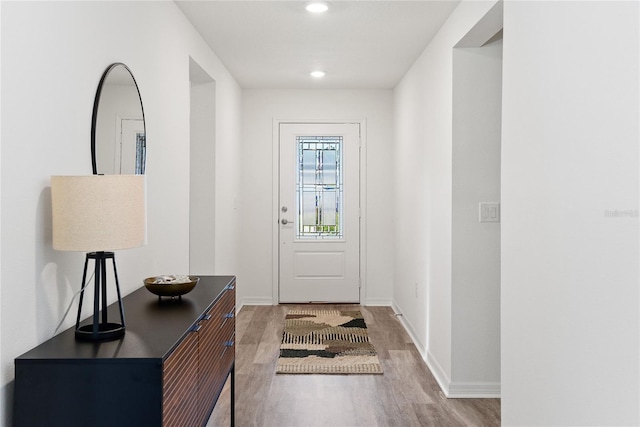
170	286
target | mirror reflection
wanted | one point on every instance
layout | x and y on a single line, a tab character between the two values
118	140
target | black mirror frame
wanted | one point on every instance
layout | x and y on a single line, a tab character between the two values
96	105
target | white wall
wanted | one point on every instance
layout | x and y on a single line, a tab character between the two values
570	294
475	296
53	54
423	185
259	109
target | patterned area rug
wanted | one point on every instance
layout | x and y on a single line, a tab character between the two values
326	342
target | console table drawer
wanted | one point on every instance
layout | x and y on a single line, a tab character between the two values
217	346
180	385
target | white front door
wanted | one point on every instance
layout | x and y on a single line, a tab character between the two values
319	213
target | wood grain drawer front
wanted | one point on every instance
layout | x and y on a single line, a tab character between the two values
217	348
180	385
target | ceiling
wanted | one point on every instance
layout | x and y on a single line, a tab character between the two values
276	44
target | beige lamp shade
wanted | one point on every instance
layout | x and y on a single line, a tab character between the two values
95	213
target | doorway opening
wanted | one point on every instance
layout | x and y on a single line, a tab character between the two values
202	171
475	233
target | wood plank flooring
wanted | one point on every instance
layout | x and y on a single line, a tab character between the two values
405	395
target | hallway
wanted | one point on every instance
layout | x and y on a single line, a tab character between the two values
405	395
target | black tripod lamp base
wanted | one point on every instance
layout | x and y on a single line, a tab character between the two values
105	332
100	329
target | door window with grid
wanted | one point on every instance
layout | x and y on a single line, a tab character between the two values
319	187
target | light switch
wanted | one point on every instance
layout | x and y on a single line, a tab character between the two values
489	212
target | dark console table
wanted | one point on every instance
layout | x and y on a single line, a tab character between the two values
167	370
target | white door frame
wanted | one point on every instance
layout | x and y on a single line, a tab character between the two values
275	204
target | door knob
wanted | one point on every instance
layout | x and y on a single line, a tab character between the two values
285	221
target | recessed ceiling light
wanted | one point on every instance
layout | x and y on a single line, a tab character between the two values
317	74
317	7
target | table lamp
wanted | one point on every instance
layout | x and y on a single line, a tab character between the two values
98	214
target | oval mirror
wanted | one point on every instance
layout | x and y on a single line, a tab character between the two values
118	142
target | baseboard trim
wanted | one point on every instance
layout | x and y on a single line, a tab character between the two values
461	390
474	390
438	373
377	302
374	302
408	327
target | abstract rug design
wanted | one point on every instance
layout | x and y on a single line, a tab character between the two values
326	342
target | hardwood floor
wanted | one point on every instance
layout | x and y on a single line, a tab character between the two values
405	395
